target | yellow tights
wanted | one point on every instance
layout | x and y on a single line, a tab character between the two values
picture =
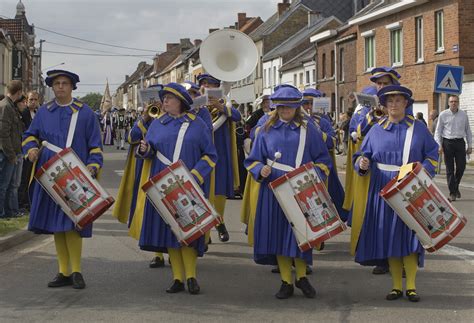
410	263
183	262
219	205
284	263
69	251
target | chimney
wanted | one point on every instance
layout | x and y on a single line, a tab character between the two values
211	30
282	7
241	19
313	18
127	77
197	42
170	46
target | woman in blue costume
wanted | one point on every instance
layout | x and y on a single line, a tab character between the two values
51	124
227	168
384	237
274	241
335	189
199	155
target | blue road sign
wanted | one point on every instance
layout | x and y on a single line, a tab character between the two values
448	79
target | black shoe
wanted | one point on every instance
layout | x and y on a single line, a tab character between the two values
306	288
60	280
117	148
458	194
78	281
157	262
394	294
320	247
176	287
309	270
122	148
380	270
412	295
223	234
286	291
193	286
452	197
276	270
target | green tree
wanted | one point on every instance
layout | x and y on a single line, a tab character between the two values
92	99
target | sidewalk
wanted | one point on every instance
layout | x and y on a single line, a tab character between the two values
467	179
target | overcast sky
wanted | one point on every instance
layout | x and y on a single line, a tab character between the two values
144	24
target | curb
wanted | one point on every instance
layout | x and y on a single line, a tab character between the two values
15	238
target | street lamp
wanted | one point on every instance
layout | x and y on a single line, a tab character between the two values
47	68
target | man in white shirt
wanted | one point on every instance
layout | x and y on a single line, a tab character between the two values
452	129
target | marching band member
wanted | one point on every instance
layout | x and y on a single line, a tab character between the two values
176	128
381	77
335	189
51	124
226	171
384	237
202	112
126	208
274	240
108	123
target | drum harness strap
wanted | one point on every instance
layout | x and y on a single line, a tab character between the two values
177	148
406	152
219	122
299	155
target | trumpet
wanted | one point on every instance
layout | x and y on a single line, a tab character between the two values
377	112
154	110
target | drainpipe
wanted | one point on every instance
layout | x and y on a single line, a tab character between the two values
336	84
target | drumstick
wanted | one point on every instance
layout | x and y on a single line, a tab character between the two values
277	156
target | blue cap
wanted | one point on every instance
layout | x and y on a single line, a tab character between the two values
379	72
208	78
159	86
55	73
179	91
394	90
370	90
287	96
309	94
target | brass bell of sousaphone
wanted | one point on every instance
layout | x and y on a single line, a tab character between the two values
229	55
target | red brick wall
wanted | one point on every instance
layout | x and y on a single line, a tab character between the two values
419	77
466	33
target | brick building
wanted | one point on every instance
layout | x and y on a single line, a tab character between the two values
336	51
414	36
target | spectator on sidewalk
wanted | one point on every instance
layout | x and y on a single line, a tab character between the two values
10	140
12	208
434	121
33	104
452	133
419	116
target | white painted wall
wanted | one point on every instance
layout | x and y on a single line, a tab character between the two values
466	101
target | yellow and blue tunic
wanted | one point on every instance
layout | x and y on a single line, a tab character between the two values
198	154
51	124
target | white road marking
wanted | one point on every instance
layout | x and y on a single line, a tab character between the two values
464	254
119	172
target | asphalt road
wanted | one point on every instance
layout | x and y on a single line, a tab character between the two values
121	287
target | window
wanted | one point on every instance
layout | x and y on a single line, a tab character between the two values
314	75
301	78
341	104
332	63
369	52
419	38
274	75
333	102
439	30
269	74
307	78
324	66
295	79
341	65
396	50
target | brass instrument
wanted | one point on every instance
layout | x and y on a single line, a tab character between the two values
154	110
378	112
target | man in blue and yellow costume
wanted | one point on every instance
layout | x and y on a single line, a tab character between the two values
384	238
274	241
129	206
358	191
226	177
176	135
51	124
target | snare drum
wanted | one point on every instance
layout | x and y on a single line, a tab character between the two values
423	208
69	183
308	207
181	203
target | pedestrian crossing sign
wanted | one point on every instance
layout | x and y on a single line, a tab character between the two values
448	79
